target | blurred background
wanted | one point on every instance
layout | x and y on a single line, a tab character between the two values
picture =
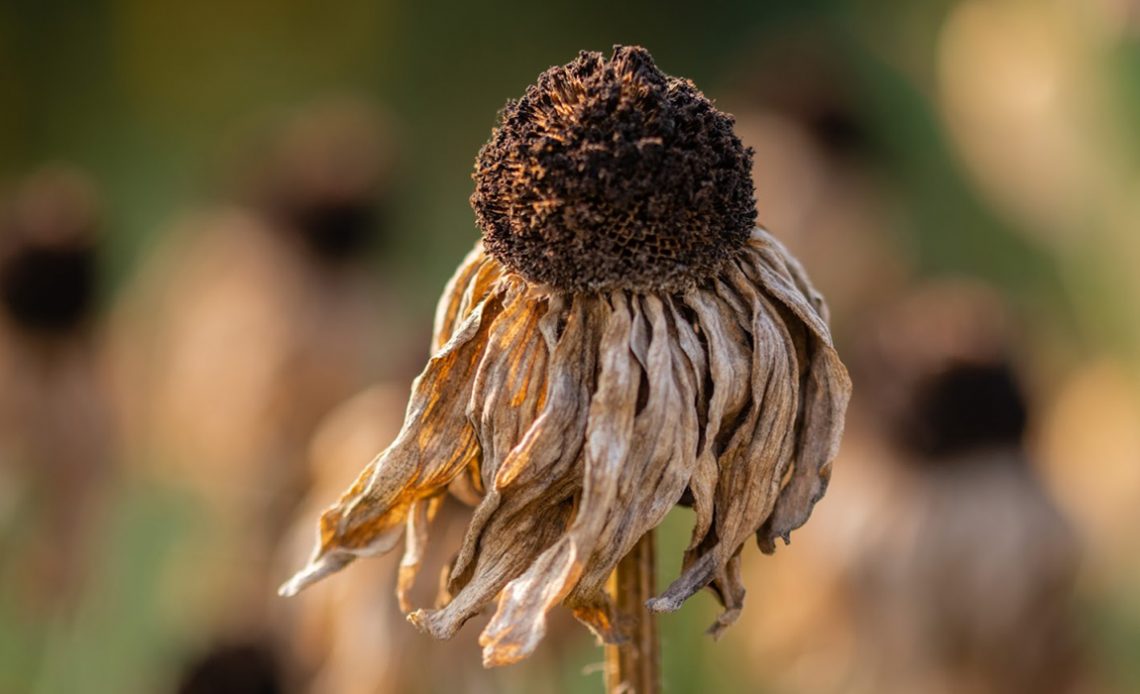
224	226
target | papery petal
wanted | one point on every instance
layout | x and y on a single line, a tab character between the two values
662	453
825	392
519	519
435	444
447	313
753	461
729	364
520	621
415	543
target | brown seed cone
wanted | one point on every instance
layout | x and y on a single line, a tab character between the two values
609	174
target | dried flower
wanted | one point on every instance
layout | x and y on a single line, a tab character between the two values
623	340
965	573
55	416
241	331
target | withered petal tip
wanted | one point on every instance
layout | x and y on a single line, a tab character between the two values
320	567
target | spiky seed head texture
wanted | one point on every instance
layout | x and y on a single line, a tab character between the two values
609	174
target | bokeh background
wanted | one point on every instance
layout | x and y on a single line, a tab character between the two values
225	225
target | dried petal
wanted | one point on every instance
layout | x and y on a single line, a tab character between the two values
517	520
576	421
435	443
415	542
520	621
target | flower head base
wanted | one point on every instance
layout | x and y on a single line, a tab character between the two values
576	419
610	174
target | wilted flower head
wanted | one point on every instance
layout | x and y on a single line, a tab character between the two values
623	340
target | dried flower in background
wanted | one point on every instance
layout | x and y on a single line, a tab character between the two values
249	323
966	569
623	340
55	420
940	563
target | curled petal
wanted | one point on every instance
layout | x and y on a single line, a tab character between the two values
520	621
825	397
662	454
551	444
755	456
509	384
728	363
798	392
434	445
447	313
516	540
415	542
574	422
826	391
516	520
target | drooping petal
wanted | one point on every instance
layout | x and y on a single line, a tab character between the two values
728	359
753	460
749	482
435	444
447	311
551	444
825	398
518	519
777	256
509	384
510	380
419	520
662	452
475	289
729	589
520	621
514	541
826	390
660	463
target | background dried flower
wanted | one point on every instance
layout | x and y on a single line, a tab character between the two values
591	371
56	437
256	317
968	568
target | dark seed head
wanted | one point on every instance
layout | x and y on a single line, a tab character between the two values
963	408
335	230
610	174
48	254
49	290
326	180
238	668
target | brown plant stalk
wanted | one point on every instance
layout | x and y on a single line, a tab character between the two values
633	666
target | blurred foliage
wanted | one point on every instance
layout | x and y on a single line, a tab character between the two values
115	639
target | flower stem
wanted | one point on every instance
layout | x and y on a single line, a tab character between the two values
632	667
